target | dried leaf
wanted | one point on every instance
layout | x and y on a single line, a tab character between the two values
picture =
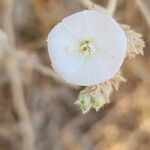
115	82
97	96
135	42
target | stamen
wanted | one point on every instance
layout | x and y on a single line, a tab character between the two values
87	47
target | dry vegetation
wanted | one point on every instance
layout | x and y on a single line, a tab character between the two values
36	106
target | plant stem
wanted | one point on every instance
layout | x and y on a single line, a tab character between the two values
111	7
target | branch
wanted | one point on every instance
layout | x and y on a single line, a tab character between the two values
144	7
7	21
112	4
19	103
12	67
90	5
111	7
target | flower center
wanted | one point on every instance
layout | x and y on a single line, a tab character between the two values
87	47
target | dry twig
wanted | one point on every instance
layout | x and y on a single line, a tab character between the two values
90	5
111	7
19	104
12	67
144	7
7	22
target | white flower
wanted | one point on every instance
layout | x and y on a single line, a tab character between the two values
87	48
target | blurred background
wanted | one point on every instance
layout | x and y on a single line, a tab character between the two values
37	110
